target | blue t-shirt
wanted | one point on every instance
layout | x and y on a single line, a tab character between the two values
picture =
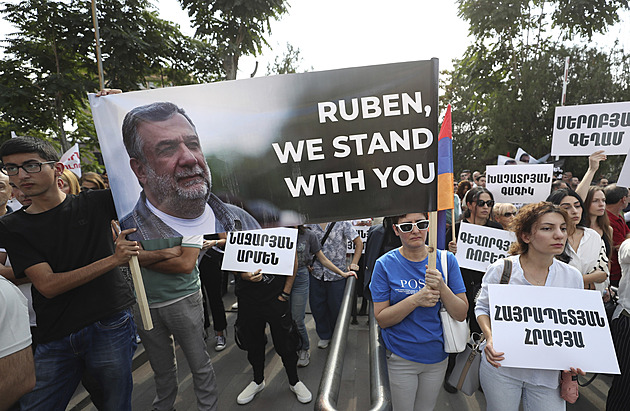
418	337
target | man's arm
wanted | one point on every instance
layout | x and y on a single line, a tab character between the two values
51	284
147	258
358	249
17	376
183	264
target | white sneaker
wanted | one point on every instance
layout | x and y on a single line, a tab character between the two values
301	392
250	392
323	343
304	358
235	306
220	346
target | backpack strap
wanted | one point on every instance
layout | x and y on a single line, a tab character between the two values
507	271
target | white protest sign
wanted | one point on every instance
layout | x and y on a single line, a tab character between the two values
529	183
624	175
582	130
271	249
479	246
551	328
70	160
362	230
519	157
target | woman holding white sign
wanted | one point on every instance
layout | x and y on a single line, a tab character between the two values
541	232
406	294
585	248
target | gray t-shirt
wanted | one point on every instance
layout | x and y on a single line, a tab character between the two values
307	246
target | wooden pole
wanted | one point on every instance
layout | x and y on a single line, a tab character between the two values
97	36
453	226
432	239
138	284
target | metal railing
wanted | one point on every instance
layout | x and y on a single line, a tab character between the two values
331	378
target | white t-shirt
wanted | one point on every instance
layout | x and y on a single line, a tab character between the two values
587	256
624	283
560	275
26	290
15	333
204	224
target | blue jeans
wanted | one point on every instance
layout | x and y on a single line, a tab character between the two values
504	393
326	298
103	350
299	298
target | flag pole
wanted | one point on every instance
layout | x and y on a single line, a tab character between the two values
97	36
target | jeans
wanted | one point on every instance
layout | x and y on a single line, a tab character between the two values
182	320
504	393
414	386
619	395
211	280
103	349
299	298
326	298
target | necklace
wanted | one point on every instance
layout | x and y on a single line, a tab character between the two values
529	276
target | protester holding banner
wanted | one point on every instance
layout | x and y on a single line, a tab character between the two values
264	299
596	216
585	248
619	394
593	165
307	246
479	203
541	232
504	213
406	294
81	299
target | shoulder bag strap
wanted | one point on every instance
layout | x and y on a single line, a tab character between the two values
507	271
324	238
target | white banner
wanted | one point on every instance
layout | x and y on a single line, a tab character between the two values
624	175
362	230
272	250
551	328
582	130
479	246
71	160
529	183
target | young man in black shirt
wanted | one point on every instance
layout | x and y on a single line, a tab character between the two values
64	245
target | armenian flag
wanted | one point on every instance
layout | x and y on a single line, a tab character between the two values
445	176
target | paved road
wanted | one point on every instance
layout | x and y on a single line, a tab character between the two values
234	373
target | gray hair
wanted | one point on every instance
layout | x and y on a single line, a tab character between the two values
160	111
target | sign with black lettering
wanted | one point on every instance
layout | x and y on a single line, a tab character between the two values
362	230
582	130
624	175
479	246
523	184
271	249
551	328
299	148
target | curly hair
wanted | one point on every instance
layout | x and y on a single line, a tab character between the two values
526	219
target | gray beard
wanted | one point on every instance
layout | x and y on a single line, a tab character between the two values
180	201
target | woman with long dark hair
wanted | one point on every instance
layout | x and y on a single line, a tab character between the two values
585	249
597	217
541	232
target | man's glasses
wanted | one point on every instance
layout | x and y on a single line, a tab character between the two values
408	227
489	203
12	170
512	214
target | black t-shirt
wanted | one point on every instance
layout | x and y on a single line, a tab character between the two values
72	235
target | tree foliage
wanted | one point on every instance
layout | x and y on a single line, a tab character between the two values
49	63
505	88
235	27
288	63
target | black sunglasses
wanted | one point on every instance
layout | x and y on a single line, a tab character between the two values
489	203
408	227
512	214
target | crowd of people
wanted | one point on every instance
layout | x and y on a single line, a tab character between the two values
74	318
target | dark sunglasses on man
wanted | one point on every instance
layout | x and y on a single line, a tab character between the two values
408	227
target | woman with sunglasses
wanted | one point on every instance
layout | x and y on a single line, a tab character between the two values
503	213
585	248
479	203
407	296
541	231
